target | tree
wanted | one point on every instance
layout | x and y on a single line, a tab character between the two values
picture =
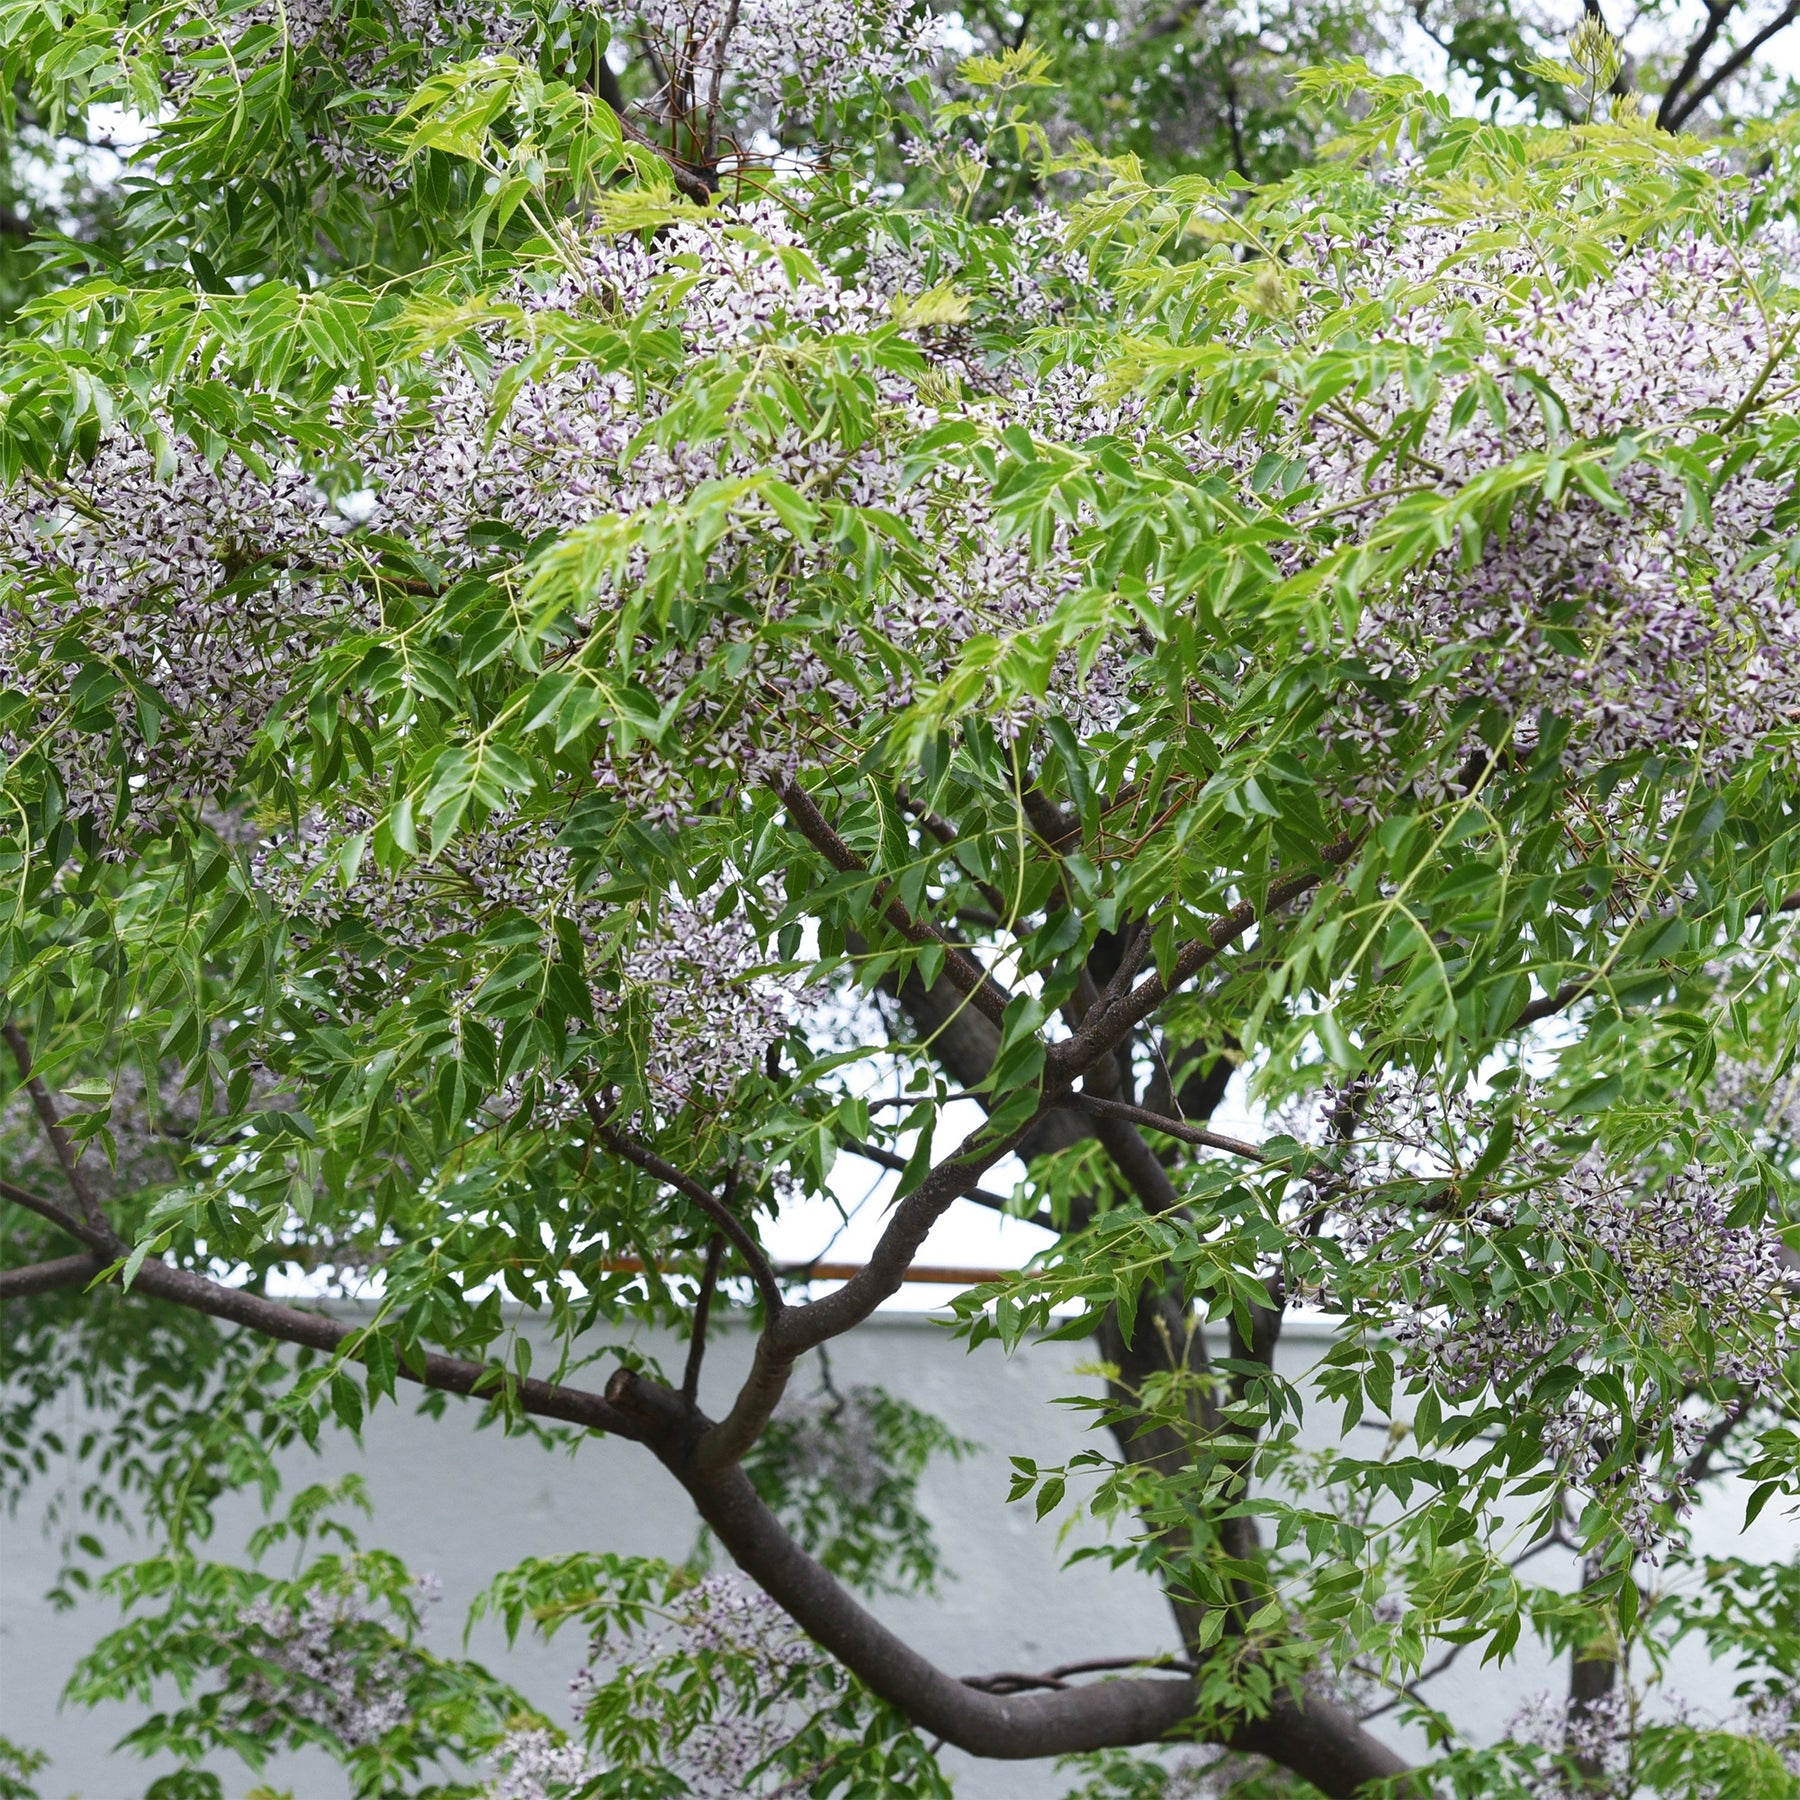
564	674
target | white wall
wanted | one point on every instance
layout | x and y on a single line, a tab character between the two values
464	1504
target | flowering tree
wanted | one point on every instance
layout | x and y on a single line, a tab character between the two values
568	668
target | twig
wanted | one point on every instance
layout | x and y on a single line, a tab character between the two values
1011	1681
886	1159
67	1156
1175	1128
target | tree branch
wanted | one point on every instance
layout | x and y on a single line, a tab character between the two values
64	1220
789	1334
709	1280
1716	15
1318	1740
975	983
1106	1026
888	1159
67	1156
45	1277
1010	1681
1731	65
800	1328
1175	1128
313	1331
727	1221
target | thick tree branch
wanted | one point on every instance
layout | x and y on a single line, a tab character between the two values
270	1318
450	1374
789	1334
1549	1005
1732	65
1593	1674
46	1277
801	1328
964	1043
1319	1741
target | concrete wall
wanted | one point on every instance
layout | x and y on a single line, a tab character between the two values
464	1504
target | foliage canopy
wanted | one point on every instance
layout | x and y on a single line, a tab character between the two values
568	670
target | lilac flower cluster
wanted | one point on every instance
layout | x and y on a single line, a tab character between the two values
755	1658
1659	1252
211	583
313	1664
1644	622
828	49
367	53
834	1443
208	582
1760	1102
1601	1735
1597	1734
556	461
714	1008
535	1764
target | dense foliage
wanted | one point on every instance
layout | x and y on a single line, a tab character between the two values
573	659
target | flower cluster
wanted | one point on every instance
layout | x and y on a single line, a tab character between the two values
207	583
268	28
212	584
313	1663
755	1659
835	1444
534	1764
1611	1252
1595	1735
557	461
1599	1737
825	49
1639	619
700	976
373	46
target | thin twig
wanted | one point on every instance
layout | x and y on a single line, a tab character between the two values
887	1159
1012	1681
1141	1115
